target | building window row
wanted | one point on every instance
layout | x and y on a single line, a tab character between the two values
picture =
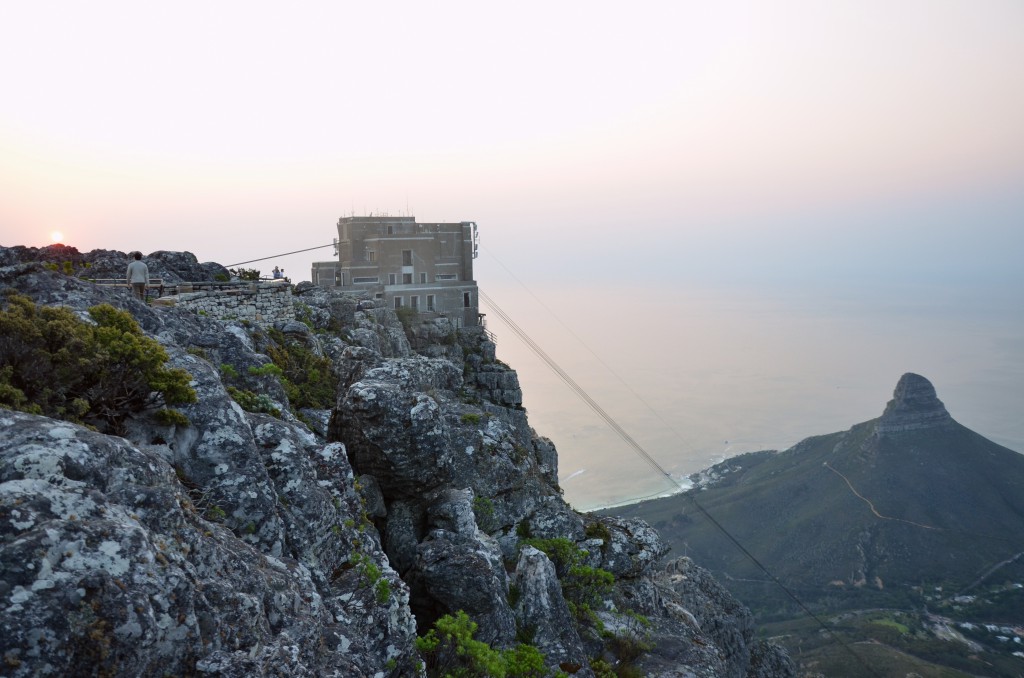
407	278
414	302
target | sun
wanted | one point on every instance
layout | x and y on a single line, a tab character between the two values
56	236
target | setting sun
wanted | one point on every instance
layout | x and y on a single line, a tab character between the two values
56	236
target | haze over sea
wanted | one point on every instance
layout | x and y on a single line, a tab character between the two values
758	356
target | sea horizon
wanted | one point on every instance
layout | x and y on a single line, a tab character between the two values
728	370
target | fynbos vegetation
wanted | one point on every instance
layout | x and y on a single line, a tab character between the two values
54	364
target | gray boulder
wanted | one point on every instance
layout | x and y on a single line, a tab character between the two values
113	566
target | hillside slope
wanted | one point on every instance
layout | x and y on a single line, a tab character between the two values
909	499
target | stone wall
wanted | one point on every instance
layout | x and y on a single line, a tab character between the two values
263	303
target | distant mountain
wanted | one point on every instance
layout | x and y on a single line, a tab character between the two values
910	499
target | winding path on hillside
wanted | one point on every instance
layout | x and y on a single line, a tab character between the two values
872	506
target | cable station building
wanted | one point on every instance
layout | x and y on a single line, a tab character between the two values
425	267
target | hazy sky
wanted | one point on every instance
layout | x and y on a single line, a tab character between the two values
244	129
863	144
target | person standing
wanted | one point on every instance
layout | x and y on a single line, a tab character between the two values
138	276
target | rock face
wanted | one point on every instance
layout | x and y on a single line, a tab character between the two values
320	542
173	267
914	406
112	567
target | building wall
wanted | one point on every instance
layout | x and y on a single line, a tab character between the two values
402	262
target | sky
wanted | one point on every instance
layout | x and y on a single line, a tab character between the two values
841	147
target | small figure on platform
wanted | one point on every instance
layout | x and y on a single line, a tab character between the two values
138	276
278	273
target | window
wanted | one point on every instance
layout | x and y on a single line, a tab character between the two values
371	255
414	303
430	302
406	257
466	298
391	278
407	278
423	278
446	276
398	302
371	279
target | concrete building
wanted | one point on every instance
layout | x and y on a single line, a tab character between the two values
426	267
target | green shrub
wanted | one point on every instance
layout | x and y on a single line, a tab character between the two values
524	661
583	586
470	418
449	649
514	594
252	402
598	530
307	377
382	590
562	552
483	510
373	576
168	417
228	370
602	669
267	369
304	314
54	364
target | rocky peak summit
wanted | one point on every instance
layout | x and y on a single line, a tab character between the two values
914	406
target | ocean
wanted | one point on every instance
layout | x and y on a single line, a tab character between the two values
695	374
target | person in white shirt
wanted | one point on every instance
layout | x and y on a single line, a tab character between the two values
138	276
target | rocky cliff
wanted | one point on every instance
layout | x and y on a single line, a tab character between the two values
282	533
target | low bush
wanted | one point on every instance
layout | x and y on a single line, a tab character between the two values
168	417
449	649
583	586
267	369
252	402
54	364
307	377
483	511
